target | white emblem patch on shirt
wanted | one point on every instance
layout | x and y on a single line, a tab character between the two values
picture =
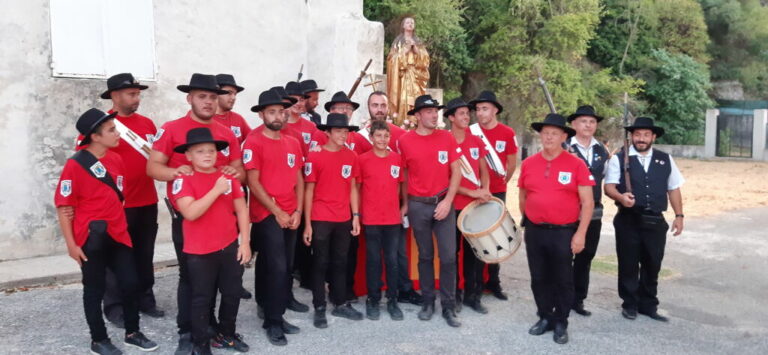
346	171
291	160
120	182
306	136
150	139
236	131
395	171
229	187
351	146
225	151
474	153
312	145
66	188
99	170
177	186
158	135
501	146
247	156
564	177
307	169
442	156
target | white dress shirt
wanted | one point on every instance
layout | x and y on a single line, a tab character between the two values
613	176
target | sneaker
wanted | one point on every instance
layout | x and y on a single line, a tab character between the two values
347	311
185	346
289	328
276	336
427	310
230	342
372	309
319	319
297	306
104	347
139	341
394	310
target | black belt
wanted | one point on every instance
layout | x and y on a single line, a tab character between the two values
551	226
430	200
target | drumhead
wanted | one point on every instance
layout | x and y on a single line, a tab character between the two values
482	217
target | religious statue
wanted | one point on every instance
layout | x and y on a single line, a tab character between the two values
407	71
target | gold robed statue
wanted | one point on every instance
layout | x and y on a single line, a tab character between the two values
407	71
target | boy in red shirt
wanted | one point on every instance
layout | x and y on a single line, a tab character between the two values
214	210
91	184
330	199
381	183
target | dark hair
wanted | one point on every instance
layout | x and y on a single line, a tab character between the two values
100	127
379	126
377	93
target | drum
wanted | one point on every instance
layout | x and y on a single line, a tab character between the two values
490	230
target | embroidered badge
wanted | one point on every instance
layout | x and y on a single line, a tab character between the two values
158	135
442	156
501	146
474	153
120	182
236	131
247	156
291	160
312	145
229	187
351	146
99	170
564	178
150	138
66	188
307	169
225	151
177	186
306	136
346	171
394	170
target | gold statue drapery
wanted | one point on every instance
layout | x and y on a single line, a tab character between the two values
407	72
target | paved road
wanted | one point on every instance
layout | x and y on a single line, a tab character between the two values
717	300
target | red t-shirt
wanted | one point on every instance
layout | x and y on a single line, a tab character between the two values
355	141
92	199
428	160
236	123
302	130
217	227
278	162
395	132
380	193
174	133
139	187
552	193
332	173
503	141
474	149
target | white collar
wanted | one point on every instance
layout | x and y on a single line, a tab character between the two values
592	143
632	151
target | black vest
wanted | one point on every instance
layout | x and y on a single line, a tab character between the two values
650	189
599	159
315	118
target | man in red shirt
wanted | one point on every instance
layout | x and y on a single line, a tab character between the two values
224	113
433	172
554	231
473	186
330	199
310	88
273	163
166	165
89	203
504	144
299	127
381	183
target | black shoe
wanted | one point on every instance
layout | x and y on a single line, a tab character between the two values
541	327
203	349
561	334
276	336
498	293
104	347
297	306
410	296
347	311
476	306
289	328
629	313
427	310
450	317
579	309
246	295
394	310
153	312
655	316
319	319
185	344
459	299
351	297
118	321
260	312
230	342
372	309
139	340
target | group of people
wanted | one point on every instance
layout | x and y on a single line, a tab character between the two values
298	191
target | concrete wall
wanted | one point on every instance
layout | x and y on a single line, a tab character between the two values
263	43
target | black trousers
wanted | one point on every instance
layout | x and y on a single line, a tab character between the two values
142	227
330	245
640	251
424	224
550	261
183	290
582	262
472	268
208	273
104	254
494	283
276	247
354	245
404	282
381	239
303	260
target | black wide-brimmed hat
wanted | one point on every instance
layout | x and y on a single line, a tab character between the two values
89	121
486	96
281	91
121	81
453	105
337	120
424	101
646	123
202	82
554	120
340	98
585	110
294	89
197	136
309	85
268	98
228	80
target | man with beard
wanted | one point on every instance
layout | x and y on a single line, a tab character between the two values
310	88
165	165
641	231
299	127
224	113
